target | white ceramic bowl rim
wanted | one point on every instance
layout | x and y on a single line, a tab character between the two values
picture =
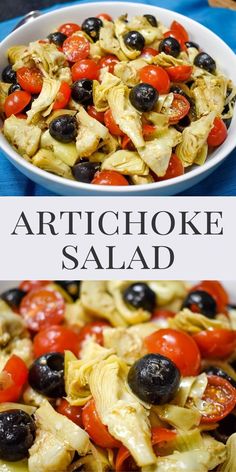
222	151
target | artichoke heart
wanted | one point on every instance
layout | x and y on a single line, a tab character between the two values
91	134
23	136
131	316
187	321
15	53
3	94
108	42
209	92
193	138
66	152
47	58
101	90
44	103
166	60
121	29
128	71
46	160
126	162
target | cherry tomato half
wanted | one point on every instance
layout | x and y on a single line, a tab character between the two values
149	52
159	435
219	399
179	73
41	308
180	30
69	28
62	97
161	313
155	76
74	413
85	69
76	48
28	285
108	61
109	177
175	168
16	102
12	378
216	343
30	79
98	115
97	431
177	346
56	339
111	124
104	16
216	290
93	329
218	133
179	108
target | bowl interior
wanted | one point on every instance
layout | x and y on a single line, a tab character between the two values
43	25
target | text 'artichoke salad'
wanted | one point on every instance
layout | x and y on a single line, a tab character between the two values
121	376
121	102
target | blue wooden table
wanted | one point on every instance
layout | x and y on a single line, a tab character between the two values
223	181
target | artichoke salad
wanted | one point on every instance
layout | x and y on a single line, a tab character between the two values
123	102
117	376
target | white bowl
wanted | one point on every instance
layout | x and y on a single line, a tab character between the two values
43	25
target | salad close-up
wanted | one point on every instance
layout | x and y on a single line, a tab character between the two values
117	376
123	101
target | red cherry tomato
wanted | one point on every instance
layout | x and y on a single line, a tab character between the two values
109	177
12	378
93	329
31	80
85	69
178	37
104	16
111	124
16	102
155	76
98	115
69	28
179	108
108	61
56	339
180	30
216	343
28	285
74	413
62	97
41	308
218	133
161	313
179	73
159	435
177	346
219	399
147	131
149	52
175	168
97	431
217	291
76	48
21	116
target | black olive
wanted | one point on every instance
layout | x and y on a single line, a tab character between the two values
91	26
227	122
154	379
17	434
70	286
14	88
28	107
85	171
82	91
183	123
57	38
170	46
191	44
151	19
134	40
9	75
64	128
231	306
13	297
140	295
46	375
213	370
201	301
205	61
143	97
227	426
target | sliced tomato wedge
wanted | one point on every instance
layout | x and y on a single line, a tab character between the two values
12	378
76	48
69	28
97	431
41	308
16	102
159	435
62	97
219	399
111	124
218	133
175	168
179	29
28	285
30	79
179	73
179	109
98	115
109	177
216	343
74	413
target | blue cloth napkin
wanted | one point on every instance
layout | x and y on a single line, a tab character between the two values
223	181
